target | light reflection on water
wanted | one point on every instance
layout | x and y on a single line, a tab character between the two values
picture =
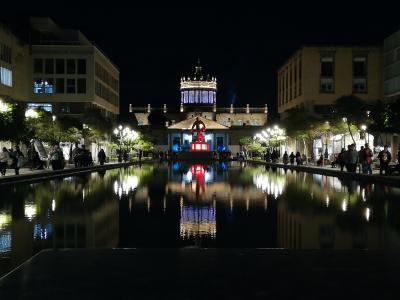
181	205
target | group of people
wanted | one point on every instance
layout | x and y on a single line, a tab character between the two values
300	159
10	159
351	158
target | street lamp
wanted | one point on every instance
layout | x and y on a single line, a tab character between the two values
326	141
364	132
53	117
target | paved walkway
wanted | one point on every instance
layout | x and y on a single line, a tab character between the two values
328	170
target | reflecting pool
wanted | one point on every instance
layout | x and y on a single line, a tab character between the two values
181	205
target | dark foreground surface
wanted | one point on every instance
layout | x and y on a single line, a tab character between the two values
205	274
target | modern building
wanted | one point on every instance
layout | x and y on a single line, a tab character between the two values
198	98
69	72
391	69
316	76
56	69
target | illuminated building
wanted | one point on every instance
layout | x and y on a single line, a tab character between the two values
198	98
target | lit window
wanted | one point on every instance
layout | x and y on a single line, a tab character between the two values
6	76
43	106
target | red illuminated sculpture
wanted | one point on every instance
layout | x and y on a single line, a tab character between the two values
199	144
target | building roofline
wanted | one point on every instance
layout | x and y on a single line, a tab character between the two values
327	46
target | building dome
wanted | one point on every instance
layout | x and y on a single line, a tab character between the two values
198	89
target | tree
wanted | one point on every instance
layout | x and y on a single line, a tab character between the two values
98	126
13	125
353	110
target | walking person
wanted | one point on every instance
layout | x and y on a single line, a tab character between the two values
4	157
352	159
340	159
291	158
384	159
298	158
16	156
101	156
361	159
368	156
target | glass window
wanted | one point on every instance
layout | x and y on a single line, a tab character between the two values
38	65
60	66
82	86
43	106
70	86
70	66
48	86
359	67
327	67
38	86
6	76
65	108
326	85
49	66
359	85
60	85
81	66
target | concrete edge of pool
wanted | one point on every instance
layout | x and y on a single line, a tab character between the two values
51	174
204	274
392	180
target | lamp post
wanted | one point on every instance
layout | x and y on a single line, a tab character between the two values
326	154
118	131
53	117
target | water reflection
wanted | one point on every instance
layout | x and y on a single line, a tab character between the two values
219	205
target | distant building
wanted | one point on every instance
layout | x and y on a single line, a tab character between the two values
315	77
391	70
57	69
198	98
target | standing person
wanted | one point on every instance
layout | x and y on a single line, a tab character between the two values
57	158
384	159
4	157
340	159
291	158
101	156
361	159
352	158
76	154
140	155
17	157
298	158
368	155
285	158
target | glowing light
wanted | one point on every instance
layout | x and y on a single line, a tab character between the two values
327	201
4	107
31	113
30	211
367	214
53	205
5	219
364	127
53	117
344	205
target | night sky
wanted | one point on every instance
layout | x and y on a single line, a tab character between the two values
242	46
